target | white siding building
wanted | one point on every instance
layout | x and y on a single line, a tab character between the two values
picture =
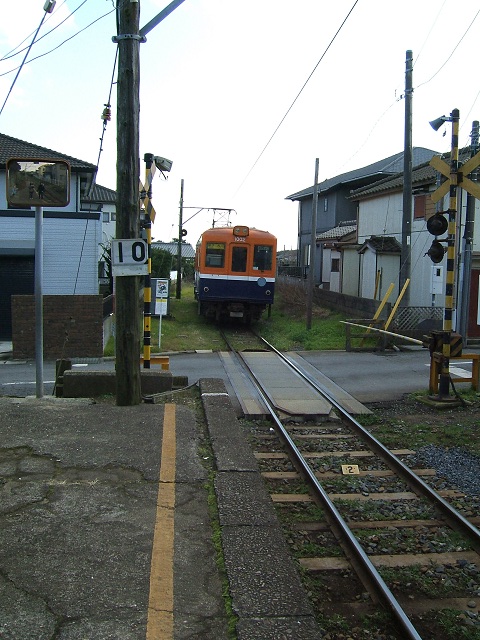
70	236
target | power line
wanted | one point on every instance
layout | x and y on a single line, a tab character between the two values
23	62
105	120
451	54
298	95
62	43
12	55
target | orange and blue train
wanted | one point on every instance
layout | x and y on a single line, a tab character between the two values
235	273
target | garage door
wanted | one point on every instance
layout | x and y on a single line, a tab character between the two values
17	277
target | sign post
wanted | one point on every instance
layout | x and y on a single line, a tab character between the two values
38	182
161	303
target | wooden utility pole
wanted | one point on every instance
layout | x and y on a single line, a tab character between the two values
179	246
313	250
405	267
127	302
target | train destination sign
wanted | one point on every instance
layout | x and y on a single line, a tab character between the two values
38	182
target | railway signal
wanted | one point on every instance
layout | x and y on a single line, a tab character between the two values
437	225
456	176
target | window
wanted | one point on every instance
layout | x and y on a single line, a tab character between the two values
335	265
239	259
423	207
262	257
215	254
105	216
305	255
325	204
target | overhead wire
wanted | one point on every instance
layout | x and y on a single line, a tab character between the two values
298	95
62	43
12	55
105	120
401	97
7	55
451	54
23	62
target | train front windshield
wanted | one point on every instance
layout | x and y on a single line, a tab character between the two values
215	254
262	257
239	259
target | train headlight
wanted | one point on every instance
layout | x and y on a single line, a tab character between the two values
206	289
261	282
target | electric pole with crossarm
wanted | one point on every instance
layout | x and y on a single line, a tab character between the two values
127	288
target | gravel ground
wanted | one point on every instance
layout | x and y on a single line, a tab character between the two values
459	467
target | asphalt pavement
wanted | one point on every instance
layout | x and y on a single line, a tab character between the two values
368	376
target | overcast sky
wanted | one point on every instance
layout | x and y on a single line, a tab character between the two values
219	76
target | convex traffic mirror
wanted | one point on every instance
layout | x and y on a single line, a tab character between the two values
38	182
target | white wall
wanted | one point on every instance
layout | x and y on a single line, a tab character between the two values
70	258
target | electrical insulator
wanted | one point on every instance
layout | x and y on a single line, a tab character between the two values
107	114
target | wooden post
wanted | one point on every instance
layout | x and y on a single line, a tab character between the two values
313	248
127	304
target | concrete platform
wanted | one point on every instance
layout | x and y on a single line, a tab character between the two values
101	504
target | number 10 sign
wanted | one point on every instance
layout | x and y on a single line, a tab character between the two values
129	257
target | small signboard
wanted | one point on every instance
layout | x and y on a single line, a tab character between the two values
130	257
161	297
350	469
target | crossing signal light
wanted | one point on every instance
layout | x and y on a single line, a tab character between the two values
184	232
437	224
436	252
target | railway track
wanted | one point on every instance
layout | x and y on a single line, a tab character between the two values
371	535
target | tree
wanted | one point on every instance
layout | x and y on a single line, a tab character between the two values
107	260
161	263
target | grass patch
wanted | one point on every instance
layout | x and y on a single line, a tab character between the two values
184	330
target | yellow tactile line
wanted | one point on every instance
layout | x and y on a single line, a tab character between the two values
160	605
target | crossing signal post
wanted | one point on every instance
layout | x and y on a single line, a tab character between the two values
439	225
442	344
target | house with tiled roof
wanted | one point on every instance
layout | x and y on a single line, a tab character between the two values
336	268
188	252
71	234
335	206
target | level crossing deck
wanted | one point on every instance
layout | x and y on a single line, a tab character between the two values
284	387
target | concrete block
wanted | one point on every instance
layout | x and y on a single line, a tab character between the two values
91	384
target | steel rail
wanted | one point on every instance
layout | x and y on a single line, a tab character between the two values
419	486
354	551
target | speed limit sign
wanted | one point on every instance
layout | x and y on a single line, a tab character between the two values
129	257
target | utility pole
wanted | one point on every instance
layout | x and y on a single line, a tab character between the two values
313	244
127	303
178	294
405	266
468	242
